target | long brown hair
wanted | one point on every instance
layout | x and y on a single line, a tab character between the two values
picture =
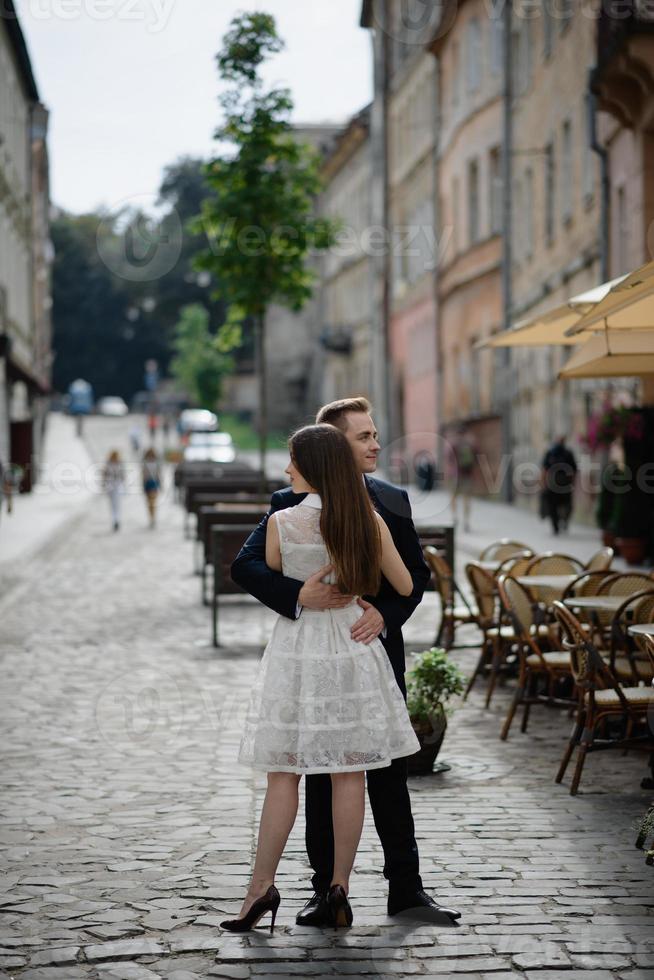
348	523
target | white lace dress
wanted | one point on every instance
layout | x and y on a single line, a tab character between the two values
321	702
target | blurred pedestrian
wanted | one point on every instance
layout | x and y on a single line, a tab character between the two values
135	434
11	480
151	474
464	448
558	480
165	427
113	483
153	422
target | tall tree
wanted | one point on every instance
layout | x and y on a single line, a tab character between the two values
259	217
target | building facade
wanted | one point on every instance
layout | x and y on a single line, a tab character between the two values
343	358
469	63
25	257
403	294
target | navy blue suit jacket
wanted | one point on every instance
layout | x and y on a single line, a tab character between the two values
280	593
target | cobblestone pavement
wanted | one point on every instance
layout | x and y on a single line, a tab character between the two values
127	829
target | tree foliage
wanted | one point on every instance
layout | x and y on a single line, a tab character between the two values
106	322
201	359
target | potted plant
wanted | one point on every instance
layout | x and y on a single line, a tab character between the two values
606	503
630	518
645	834
431	682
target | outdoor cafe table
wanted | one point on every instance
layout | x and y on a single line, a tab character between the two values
598	603
644	629
555	583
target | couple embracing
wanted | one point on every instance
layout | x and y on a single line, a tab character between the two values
338	558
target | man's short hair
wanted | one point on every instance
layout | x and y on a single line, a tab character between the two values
335	412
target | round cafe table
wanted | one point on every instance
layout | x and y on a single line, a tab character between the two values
597	603
551	583
644	629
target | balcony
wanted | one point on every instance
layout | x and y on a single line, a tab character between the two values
623	79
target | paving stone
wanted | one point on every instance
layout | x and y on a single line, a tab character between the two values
123	950
126	971
56	973
56	956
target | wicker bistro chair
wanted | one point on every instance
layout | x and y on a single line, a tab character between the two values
602	698
453	614
618	584
504	548
628	660
515	565
586	584
484	589
536	664
600	561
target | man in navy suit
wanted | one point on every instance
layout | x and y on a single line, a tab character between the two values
382	616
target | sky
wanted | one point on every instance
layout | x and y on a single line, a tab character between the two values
131	85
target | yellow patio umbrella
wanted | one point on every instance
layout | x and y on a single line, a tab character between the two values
551	327
612	354
629	305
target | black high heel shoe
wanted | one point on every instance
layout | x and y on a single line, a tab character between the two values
340	910
267	903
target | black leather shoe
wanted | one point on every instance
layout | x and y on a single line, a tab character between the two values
422	905
315	912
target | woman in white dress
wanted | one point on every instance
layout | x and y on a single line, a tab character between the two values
322	702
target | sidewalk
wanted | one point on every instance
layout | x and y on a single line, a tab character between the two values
58	499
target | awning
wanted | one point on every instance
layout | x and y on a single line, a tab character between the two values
550	328
612	355
629	305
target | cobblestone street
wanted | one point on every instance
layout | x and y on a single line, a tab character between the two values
127	829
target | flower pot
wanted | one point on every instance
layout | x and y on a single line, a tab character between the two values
633	550
431	738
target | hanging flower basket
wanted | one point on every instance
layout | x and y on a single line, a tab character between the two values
612	423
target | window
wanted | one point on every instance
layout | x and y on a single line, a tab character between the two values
473	55
529	214
548	33
518	218
455	214
622	243
496	35
475	365
473	202
566	173
549	193
564	11
495	190
588	156
456	74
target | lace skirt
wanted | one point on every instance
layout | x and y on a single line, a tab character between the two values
322	702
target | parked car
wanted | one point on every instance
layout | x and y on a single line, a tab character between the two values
210	447
198	420
111	405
